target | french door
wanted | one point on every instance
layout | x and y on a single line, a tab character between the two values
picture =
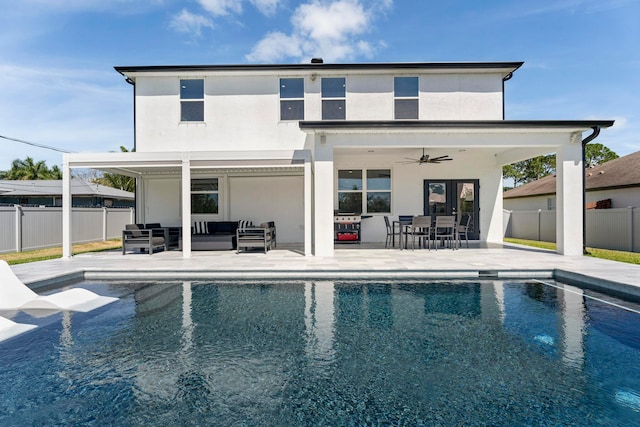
457	197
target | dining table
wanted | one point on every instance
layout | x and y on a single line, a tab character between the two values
404	226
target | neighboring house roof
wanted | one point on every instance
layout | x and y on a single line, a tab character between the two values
54	188
618	173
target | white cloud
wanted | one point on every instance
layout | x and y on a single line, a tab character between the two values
275	46
221	7
328	29
266	7
187	22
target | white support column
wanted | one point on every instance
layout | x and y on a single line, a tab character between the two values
66	208
569	171
104	224
141	197
308	226
186	207
323	198
18	228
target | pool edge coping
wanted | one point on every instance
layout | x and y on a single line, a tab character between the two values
566	276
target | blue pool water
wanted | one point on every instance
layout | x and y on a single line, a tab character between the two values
328	353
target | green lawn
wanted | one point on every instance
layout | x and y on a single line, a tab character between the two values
51	253
628	257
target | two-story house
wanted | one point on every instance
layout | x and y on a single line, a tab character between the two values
296	143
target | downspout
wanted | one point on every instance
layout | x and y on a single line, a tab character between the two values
588	139
504	79
135	190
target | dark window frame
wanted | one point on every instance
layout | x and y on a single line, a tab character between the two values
363	193
191	107
406	101
212	193
333	92
289	103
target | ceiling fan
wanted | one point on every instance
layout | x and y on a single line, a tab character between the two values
425	158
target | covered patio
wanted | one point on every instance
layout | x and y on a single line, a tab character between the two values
163	183
478	150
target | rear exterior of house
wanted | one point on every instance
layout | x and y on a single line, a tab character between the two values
297	144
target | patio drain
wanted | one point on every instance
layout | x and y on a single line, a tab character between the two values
488	274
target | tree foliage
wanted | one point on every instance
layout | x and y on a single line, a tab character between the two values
121	182
541	166
597	154
30	169
530	169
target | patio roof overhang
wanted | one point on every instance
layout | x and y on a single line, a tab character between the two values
451	126
507	141
138	165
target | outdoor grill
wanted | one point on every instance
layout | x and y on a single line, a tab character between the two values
347	227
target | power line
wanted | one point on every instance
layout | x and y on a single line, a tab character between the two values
36	145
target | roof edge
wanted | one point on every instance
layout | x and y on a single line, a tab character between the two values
476	124
511	66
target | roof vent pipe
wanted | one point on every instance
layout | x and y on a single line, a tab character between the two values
317	61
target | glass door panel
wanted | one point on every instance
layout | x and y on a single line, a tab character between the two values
437	197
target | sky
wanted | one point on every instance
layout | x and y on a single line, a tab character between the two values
58	87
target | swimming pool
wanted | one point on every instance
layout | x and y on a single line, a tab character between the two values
328	353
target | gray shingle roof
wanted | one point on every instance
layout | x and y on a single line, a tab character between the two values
54	188
618	173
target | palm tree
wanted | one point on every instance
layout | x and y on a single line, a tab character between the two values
29	169
122	182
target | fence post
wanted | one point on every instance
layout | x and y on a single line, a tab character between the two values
104	224
630	234
132	218
539	223
18	228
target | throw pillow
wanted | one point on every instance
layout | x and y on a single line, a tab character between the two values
200	227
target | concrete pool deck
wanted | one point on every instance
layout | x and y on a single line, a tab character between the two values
349	261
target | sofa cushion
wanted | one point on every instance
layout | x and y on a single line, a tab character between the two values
212	227
226	227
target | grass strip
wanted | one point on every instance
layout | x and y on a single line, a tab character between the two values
620	256
56	252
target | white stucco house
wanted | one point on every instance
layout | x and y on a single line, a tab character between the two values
296	143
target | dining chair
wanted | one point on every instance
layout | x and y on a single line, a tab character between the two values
404	222
421	229
463	228
391	233
445	229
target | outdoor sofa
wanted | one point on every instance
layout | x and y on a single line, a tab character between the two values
213	235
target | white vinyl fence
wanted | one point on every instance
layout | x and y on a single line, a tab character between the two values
29	228
617	229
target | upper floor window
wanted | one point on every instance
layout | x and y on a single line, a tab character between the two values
405	92
204	196
192	100
366	190
333	98
292	99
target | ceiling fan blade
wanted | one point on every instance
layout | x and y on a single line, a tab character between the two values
440	158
